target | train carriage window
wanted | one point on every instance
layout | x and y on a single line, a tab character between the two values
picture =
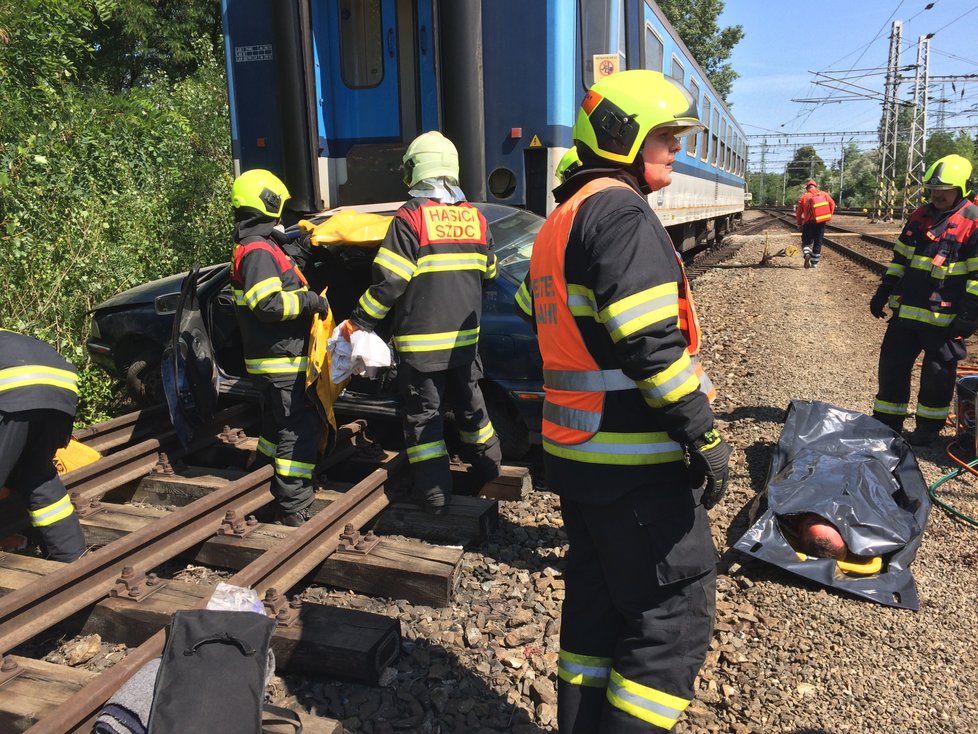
722	164
653	51
714	134
361	43
676	70
705	135
694	91
602	32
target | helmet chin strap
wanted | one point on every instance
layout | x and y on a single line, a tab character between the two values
637	168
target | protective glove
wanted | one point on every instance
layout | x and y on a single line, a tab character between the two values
710	456
347	328
964	325
314	303
877	304
321	307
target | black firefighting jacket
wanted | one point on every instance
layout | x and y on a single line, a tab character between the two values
427	278
620	254
274	303
934	272
34	376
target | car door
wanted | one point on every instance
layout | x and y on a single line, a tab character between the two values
191	379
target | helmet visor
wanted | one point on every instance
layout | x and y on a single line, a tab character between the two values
681	128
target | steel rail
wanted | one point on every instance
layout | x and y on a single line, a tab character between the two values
36	607
281	566
123	429
112	471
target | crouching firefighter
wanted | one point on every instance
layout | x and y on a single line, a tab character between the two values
427	279
274	309
628	431
931	285
38	397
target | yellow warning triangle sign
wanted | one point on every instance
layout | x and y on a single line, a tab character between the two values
535	143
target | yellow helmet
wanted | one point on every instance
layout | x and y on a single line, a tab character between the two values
260	190
430	155
619	111
950	172
569	163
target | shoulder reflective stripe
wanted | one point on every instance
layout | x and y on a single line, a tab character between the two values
394	263
436	342
266	447
881	406
896	269
972	287
924	316
958	268
583	670
903	249
630	449
289	468
476	437
426	451
666	387
52	513
276	365
595	381
651	705
261	289
573	418
972	264
30	375
926	411
372	306
522	299
629	315
451	261
919	262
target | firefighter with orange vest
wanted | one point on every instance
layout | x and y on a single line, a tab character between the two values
931	285
427	290
628	432
814	210
38	397
274	309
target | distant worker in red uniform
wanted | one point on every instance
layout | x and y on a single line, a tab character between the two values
38	397
813	211
428	277
931	286
274	309
628	432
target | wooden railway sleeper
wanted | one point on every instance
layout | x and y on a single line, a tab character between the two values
9	670
351	541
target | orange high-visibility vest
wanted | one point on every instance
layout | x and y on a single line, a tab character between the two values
574	384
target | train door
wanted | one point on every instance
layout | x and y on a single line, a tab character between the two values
377	77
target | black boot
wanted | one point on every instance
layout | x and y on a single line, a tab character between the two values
924	438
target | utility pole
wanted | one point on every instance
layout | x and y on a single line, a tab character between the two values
760	194
888	129
913	183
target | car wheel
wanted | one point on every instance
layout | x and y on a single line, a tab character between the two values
514	438
144	383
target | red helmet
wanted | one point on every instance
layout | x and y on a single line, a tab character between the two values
809	182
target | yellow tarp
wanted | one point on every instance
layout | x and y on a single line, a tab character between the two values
349	227
319	387
74	456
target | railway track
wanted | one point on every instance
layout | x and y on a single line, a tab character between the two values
875	256
121	591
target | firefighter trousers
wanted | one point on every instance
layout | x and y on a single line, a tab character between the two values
637	619
900	349
290	435
28	442
425	395
812	236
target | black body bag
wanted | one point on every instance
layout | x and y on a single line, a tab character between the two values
212	675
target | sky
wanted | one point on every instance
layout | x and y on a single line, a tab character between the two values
784	44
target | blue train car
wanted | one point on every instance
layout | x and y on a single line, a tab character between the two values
328	93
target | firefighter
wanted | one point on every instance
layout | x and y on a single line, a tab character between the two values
274	309
931	285
38	396
428	275
628	432
813	211
568	164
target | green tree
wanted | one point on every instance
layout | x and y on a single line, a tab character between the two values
942	143
696	21
805	164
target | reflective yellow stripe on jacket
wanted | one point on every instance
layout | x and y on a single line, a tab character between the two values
52	513
30	375
276	365
436	342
